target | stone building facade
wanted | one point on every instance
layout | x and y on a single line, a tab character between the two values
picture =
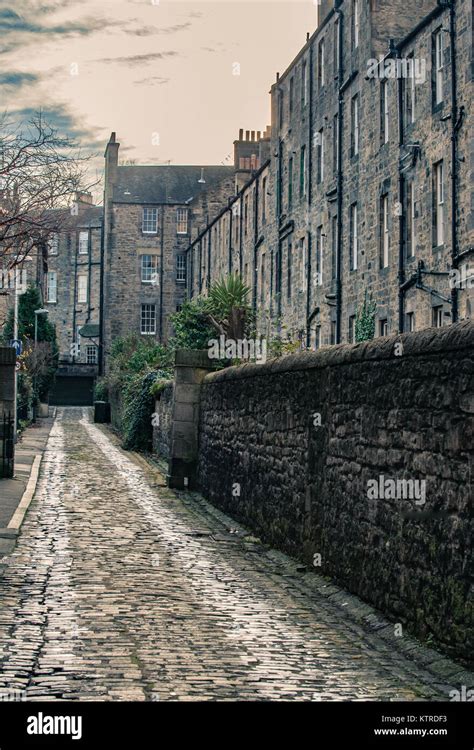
368	182
149	215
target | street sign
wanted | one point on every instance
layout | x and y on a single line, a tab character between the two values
17	345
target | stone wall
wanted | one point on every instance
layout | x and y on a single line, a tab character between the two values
294	448
162	423
7	380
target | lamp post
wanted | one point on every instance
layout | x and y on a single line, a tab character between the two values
41	311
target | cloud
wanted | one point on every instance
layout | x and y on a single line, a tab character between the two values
154	30
152	79
137	60
16	78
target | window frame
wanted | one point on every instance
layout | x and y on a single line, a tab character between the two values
354	236
146	221
50	276
83	235
152	307
180	221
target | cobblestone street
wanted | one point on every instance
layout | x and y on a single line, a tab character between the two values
119	589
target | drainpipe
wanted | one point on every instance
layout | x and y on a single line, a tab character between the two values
401	219
75	295
240	233
308	235
255	247
209	243
161	268
231	219
340	115
454	128
101	296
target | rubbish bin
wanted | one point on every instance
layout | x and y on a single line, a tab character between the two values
101	412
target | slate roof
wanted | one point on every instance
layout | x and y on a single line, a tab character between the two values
165	183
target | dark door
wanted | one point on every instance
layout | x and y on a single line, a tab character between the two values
70	390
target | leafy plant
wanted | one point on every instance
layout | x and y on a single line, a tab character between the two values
192	328
229	311
365	320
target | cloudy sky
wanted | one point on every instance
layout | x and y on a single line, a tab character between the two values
161	73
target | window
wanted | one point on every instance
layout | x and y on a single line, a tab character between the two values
438	66
410	211
410	90
319	255
289	270
302	171
148	269
320	156
438	200
292	92
304	84
82	284
181	221
383	327
91	354
52	287
384	122
384	232
53	244
281	103
148	320
83	243
410	322
334	247
246	215
355	23
317	337
264	200
262	280
438	316
336	47
290	182
303	262
150	221
321	70
355	125
181	268
335	143
354	237
351	334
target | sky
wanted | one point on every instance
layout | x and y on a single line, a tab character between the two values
175	80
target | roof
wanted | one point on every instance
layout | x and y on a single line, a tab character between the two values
165	183
89	331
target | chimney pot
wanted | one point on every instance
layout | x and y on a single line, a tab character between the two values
253	135
241	134
247	135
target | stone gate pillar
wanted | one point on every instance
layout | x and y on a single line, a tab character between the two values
191	366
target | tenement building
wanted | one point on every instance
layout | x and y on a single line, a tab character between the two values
149	215
367	185
73	298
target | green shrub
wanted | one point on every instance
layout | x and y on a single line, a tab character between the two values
138	407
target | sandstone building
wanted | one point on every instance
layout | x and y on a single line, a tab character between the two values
368	184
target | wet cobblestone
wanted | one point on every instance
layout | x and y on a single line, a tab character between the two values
119	589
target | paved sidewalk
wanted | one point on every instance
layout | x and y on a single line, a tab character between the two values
122	589
28	453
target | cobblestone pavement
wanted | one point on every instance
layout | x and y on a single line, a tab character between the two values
121	590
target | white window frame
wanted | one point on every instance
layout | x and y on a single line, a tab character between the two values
319	254
385	233
91	354
439	65
83	243
181	268
182	216
356	22
354	227
148	319
148	222
439	199
148	271
53	244
52	287
385	113
355	125
82	289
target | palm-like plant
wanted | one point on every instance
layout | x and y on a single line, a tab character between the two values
229	310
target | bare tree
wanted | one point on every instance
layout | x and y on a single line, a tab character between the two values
40	170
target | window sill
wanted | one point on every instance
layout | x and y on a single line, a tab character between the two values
150	233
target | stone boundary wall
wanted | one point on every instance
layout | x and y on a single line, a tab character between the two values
307	450
162	423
